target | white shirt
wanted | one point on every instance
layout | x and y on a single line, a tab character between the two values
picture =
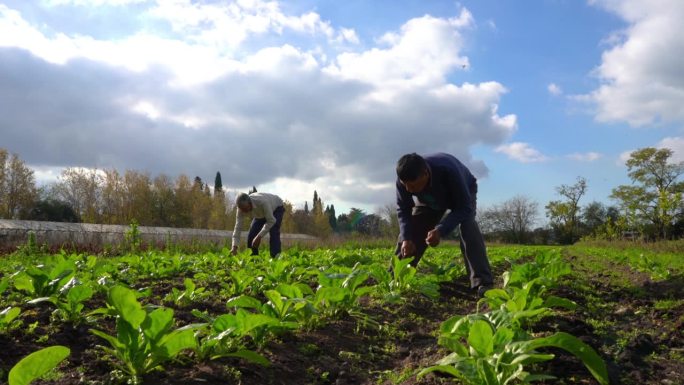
263	205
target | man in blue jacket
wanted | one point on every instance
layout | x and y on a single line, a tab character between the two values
427	187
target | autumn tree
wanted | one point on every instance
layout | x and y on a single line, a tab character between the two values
183	201
288	225
201	204
163	201
138	198
80	188
112	197
563	214
654	200
18	192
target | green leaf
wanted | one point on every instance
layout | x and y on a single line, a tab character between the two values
244	301
250	356
37	364
531	358
553	301
157	324
24	282
125	302
584	352
224	322
112	340
480	337
330	295
454	344
178	340
290	291
9	314
79	293
248	322
276	300
440	368
502	337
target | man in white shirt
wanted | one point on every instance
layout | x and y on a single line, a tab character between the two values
267	212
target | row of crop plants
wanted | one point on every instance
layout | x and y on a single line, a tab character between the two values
659	266
265	298
496	347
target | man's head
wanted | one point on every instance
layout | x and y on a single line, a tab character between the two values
412	171
244	203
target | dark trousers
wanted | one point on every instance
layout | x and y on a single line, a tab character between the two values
274	232
424	219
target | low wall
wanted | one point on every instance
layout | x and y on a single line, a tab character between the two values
15	233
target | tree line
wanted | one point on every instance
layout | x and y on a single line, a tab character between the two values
649	208
111	197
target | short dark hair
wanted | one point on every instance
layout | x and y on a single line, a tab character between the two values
242	199
410	167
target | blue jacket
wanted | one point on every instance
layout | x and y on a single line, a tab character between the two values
451	187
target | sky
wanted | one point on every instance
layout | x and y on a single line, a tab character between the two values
303	95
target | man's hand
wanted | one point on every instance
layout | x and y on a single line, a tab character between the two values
433	238
234	250
408	249
256	242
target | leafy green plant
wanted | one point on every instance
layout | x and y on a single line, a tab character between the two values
547	266
402	278
525	302
498	355
339	291
262	319
31	246
187	296
132	237
144	340
8	318
241	280
289	304
225	337
69	302
46	279
37	364
645	264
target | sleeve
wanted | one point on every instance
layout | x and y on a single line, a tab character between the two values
238	225
404	208
268	215
461	204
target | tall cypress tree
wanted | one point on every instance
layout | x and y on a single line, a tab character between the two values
332	219
218	184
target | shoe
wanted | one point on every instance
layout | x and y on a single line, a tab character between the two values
482	289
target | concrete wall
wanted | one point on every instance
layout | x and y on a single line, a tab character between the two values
14	233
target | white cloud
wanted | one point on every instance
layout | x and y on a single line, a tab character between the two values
585	157
554	89
94	3
421	54
676	144
46	175
522	152
162	103
642	74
